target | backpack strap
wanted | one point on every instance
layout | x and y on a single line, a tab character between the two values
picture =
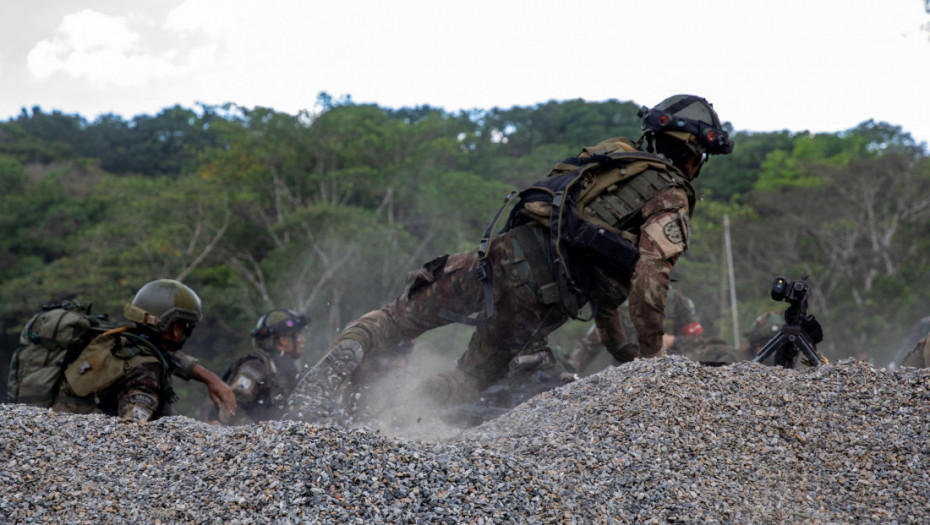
483	271
167	390
560	264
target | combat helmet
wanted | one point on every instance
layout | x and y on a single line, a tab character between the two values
689	119
162	303
277	322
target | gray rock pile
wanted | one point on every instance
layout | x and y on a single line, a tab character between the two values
654	441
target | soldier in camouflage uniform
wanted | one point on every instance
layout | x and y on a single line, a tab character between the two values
919	356
682	330
762	331
526	292
126	372
263	379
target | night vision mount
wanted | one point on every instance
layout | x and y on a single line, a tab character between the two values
711	135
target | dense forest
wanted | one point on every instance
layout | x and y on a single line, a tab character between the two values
327	212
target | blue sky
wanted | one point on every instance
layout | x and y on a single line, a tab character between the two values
815	65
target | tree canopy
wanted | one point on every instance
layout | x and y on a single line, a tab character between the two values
326	213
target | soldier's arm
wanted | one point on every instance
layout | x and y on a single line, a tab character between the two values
610	333
181	364
246	383
587	350
138	399
219	391
663	238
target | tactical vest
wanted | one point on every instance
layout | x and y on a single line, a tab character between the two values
280	380
616	180
591	204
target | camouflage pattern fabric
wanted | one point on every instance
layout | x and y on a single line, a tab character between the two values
665	234
919	357
681	320
522	321
135	394
262	384
706	349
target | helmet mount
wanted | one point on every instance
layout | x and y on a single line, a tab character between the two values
684	115
279	322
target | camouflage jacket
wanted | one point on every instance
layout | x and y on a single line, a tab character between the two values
658	225
261	382
118	376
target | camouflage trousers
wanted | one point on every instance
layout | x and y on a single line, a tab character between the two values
443	290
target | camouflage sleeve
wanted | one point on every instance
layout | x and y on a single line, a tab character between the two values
664	237
926	351
246	381
610	333
919	356
183	364
138	400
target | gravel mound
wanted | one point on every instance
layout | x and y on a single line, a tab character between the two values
654	441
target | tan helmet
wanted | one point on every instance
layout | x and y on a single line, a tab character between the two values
690	119
162	303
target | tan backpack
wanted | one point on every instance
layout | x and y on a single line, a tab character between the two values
50	341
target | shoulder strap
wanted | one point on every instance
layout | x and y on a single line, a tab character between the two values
150	348
484	272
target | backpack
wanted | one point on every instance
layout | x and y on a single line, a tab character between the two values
50	341
603	183
586	200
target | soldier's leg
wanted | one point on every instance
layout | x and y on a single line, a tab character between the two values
521	322
445	284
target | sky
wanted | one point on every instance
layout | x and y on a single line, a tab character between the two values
797	65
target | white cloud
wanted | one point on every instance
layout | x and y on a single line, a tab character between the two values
824	65
99	49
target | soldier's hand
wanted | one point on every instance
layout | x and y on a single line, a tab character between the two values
625	352
820	357
222	396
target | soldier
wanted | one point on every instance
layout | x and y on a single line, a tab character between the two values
126	371
621	238
682	330
263	379
908	347
762	331
919	356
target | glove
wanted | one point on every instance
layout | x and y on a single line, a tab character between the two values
624	353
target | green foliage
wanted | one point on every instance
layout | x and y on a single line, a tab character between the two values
326	213
733	175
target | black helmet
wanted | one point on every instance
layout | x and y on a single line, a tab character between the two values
162	303
690	119
278	322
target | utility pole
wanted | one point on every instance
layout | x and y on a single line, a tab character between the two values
732	279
